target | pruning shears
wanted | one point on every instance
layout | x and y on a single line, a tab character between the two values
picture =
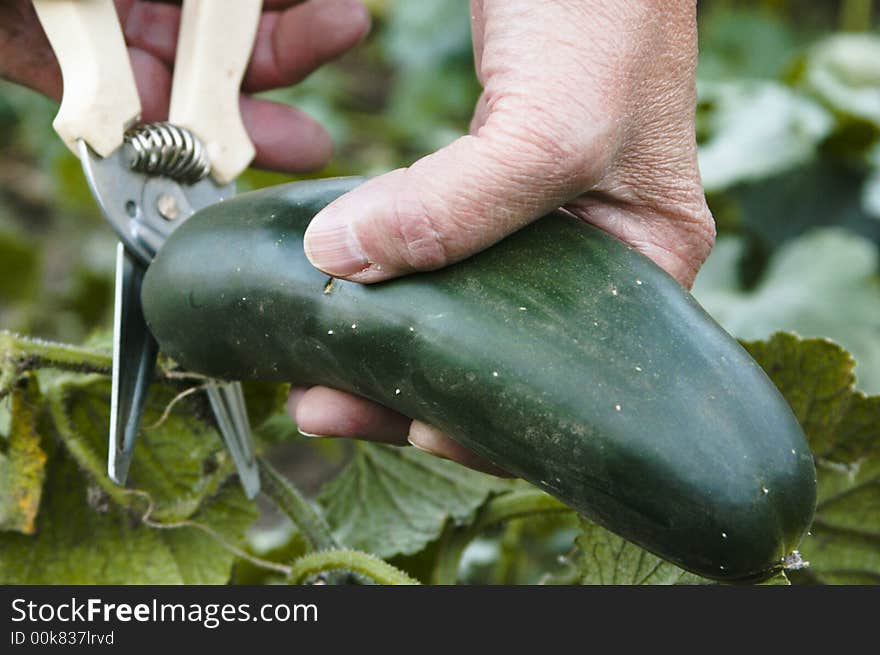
149	178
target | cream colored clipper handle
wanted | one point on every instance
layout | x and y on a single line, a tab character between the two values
213	49
100	97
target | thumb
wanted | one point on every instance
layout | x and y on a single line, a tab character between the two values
445	207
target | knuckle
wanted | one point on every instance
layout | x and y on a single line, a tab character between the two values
562	150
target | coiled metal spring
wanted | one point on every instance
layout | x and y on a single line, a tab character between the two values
169	150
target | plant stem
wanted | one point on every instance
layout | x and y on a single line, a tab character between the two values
517	504
354	561
509	506
19	354
290	501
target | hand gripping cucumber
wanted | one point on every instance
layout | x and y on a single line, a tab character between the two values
560	354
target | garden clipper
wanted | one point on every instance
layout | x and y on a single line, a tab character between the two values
149	178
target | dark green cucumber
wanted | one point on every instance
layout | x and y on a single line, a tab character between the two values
560	354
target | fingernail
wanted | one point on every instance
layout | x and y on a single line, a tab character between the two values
418	446
293	399
312	436
331	245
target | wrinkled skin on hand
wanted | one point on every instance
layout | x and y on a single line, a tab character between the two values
293	39
587	105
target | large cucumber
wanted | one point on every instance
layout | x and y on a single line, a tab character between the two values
560	354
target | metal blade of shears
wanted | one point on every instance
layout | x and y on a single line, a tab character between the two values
134	364
228	405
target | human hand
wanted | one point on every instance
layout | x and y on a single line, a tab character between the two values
293	39
587	105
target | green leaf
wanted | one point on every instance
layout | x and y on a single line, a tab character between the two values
816	378
182	516
391	501
751	129
265	401
843	428
202	549
606	559
22	464
823	284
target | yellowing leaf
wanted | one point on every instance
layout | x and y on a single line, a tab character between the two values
82	538
177	523
22	465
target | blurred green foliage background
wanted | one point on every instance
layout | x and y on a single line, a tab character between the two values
789	132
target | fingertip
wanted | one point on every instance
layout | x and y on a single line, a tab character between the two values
293	399
330	245
293	43
333	243
325	411
286	138
334	26
360	21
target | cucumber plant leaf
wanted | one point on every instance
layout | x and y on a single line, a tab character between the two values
82	538
202	547
392	501
180	460
843	428
823	284
265	402
606	559
174	525
22	463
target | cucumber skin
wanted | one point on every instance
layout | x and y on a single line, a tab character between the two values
560	354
